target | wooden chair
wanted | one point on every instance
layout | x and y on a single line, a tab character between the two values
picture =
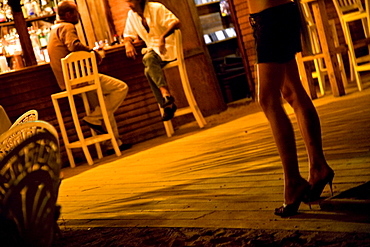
81	76
193	106
350	11
320	69
31	115
29	184
17	134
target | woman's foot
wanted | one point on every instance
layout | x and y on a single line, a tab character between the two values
293	198
318	180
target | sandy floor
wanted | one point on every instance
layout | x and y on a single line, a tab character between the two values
206	237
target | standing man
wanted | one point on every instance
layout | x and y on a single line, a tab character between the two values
276	25
64	40
154	24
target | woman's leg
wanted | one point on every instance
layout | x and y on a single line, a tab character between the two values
309	124
271	77
114	91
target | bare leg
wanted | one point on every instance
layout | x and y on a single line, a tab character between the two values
164	91
271	77
309	124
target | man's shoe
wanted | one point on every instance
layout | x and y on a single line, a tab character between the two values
169	112
123	147
98	128
167	101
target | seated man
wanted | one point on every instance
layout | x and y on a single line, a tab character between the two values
63	40
153	23
4	121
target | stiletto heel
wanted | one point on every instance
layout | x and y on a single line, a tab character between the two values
318	188
331	186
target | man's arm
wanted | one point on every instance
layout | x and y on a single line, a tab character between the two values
130	49
162	39
68	35
73	43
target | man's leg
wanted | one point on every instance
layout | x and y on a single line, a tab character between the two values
154	73
156	78
114	91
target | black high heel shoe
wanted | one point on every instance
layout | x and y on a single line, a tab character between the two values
288	210
317	189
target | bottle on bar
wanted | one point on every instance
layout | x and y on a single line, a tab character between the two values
42	39
8	11
36	7
24	11
36	45
47	7
2	13
3	62
30	11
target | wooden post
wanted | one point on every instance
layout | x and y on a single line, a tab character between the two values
24	37
242	50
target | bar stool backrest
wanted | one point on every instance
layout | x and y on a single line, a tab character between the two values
348	6
350	11
80	70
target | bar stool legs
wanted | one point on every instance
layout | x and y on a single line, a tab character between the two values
193	106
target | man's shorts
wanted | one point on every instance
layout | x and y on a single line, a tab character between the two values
277	33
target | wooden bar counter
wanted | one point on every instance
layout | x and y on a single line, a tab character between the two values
138	118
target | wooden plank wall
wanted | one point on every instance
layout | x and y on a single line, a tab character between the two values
119	12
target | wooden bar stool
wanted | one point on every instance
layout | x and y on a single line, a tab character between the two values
320	68
328	52
351	11
193	106
81	76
